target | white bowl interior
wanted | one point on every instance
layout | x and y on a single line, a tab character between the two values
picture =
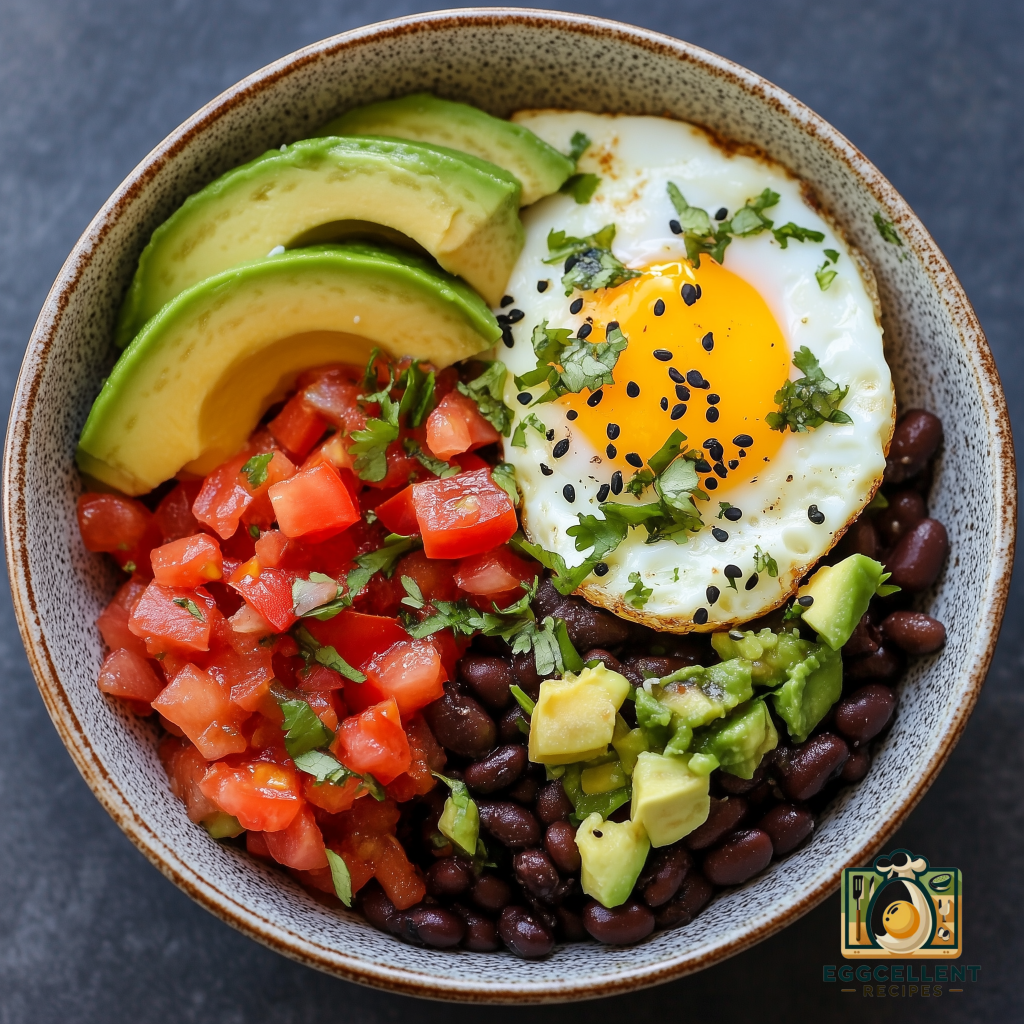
503	62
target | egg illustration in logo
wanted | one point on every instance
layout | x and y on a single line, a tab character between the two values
901	917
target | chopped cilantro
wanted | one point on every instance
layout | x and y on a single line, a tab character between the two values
810	401
310	600
589	262
254	531
581	187
487	391
326	768
531	420
750	220
413	594
191	607
825	274
578	145
522	698
438	467
691	218
832	255
763	562
798	234
382	560
371	385
255	470
887	230
340	876
129	567
637	595
303	730
584	364
879	501
504	475
312	650
417	395
370	445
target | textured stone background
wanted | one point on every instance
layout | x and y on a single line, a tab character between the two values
933	93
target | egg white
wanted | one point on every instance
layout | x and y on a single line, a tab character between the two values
836	467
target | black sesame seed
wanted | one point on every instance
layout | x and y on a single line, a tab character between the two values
711	415
613	325
616	483
733	463
550	435
736	634
733	514
601	569
700	616
584	331
546	470
569	493
702	466
675	227
542	286
720	535
571	414
699	292
506	336
713	594
721	214
714	448
696	380
595	398
708	342
602	492
682	393
815	515
678	411
710	484
561	448
570	263
612	430
720	470
611	451
732	572
634	460
751	582
714	399
743	440
690	294
676	375
662	354
805	602
633	389
515	315
575	306
659	307
524	398
664	403
742	454
506	300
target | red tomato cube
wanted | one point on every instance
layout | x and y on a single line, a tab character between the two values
126	674
187	562
331	798
262	795
314	504
113	620
398	513
298	426
456	425
374	741
224	496
111	522
496	573
267	591
463	515
299	845
357	637
411	672
241	664
185	768
400	880
199	707
173	516
173	618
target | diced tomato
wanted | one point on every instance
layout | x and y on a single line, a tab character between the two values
334	395
319	678
196	703
334	452
400	880
126	674
271	547
398	514
314	504
449	648
435	577
187	562
463	515
260	512
456	425
256	844
331	798
224	496
402	467
300	845
427	757
241	664
411	672
495	574
111	522
373	741
262	795
298	426
173	618
357	637
328	706
113	620
249	621
266	738
468	462
185	768
173	515
268	591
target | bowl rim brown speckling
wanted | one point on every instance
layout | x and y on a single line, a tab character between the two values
510	980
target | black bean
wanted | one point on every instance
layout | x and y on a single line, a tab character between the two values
605	657
787	826
560	842
500	768
914	632
459	723
491	893
735	786
377	908
508	726
740	857
864	640
860	539
431	926
636	670
906	509
589	626
488	677
618	926
449	877
509	823
523	934
914	441
886	665
524	791
481	933
552	803
865	713
570	925
807	768
857	767
693	897
664	873
536	873
524	668
723	817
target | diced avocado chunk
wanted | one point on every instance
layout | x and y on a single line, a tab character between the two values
195	381
668	799
840	594
814	685
628	743
223	826
460	817
613	855
462	211
574	719
603	778
590	803
739	741
771	655
425	118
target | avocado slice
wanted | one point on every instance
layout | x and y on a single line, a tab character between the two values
840	595
425	118
613	855
461	210
669	800
738	742
193	384
814	685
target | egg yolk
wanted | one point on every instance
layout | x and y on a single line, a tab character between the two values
901	919
705	356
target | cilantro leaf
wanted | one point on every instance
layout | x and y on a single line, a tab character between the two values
487	391
678	485
750	220
887	229
255	470
637	595
530	420
382	560
691	218
312	650
438	467
589	365
578	145
810	401
581	187
599	536
566	579
825	275
375	393
318	597
589	262
832	255
522	698
763	562
798	234
504	475
340	876
303	730
672	448
413	594
370	444
326	768
418	394
191	607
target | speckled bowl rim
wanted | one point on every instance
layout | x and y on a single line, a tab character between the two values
118	803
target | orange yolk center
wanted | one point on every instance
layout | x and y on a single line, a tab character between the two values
709	367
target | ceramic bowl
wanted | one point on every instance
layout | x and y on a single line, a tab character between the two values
502	60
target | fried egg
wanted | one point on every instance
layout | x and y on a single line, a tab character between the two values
708	347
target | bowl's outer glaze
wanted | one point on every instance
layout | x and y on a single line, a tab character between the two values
502	59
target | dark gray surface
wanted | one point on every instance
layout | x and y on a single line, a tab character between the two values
932	92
